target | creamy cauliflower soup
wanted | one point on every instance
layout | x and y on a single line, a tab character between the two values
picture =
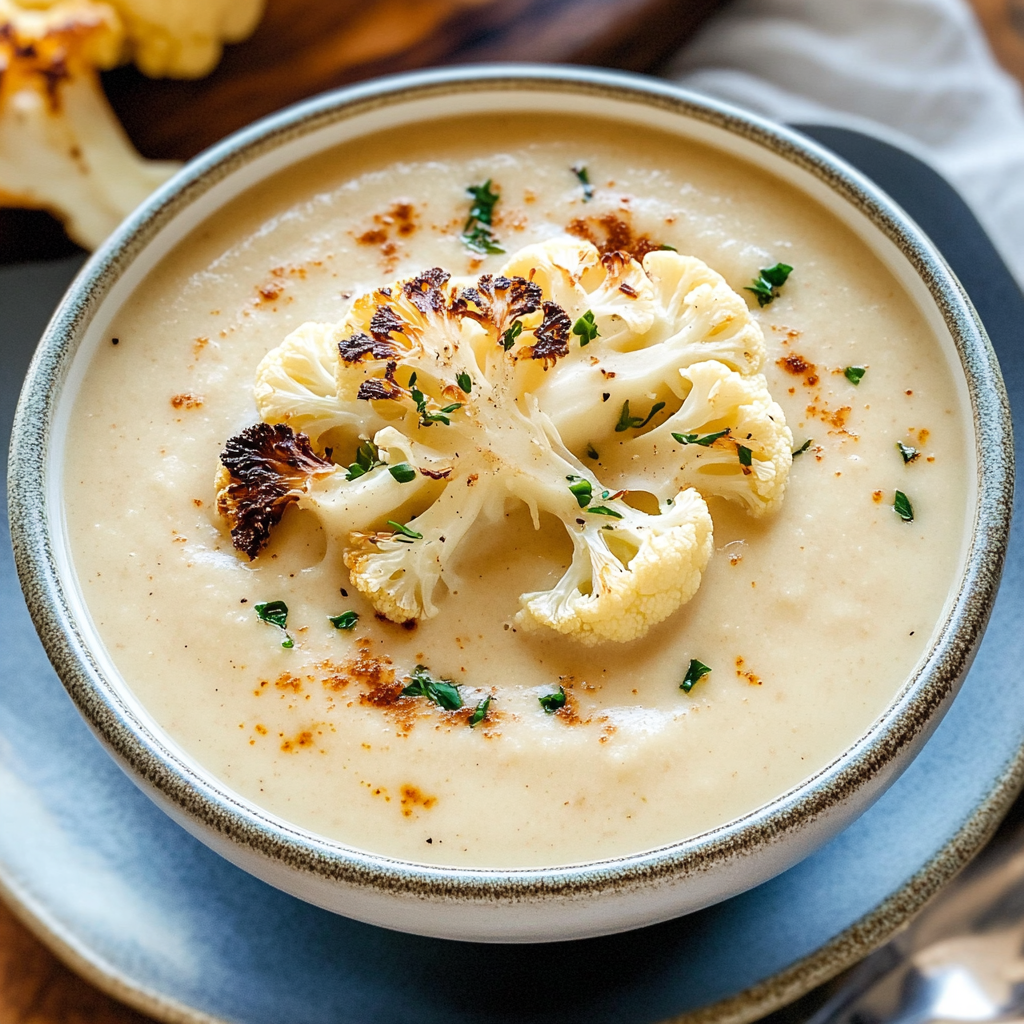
510	504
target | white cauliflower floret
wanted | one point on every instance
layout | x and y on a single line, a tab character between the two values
399	573
483	384
61	146
720	402
627	574
176	38
295	384
184	38
684	313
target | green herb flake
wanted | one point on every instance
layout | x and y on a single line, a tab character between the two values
482	241
627	422
367	458
768	282
402	472
484	201
902	507
586	328
275	613
854	374
426	417
668	248
592	452
508	337
584	179
705	442
552	702
465	382
477	234
909	454
804	447
346	620
694	674
744	454
442	692
405	531
582	490
479	712
604	510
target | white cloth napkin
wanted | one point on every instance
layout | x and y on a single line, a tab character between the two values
916	72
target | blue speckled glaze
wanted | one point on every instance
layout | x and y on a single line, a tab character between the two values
153	915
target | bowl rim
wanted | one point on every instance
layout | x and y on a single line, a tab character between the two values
204	800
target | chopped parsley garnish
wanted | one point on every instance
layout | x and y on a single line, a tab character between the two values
465	382
275	613
694	674
584	179
479	712
592	452
346	620
442	692
367	458
426	418
768	282
744	455
586	329
404	531
604	510
854	374
705	442
627	422
668	248
551	702
402	472
804	447
902	507
909	454
477	234
508	337
582	490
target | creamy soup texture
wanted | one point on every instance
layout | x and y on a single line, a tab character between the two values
810	619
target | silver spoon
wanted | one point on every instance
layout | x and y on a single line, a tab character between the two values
962	959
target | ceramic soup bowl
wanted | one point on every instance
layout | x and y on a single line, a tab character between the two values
528	904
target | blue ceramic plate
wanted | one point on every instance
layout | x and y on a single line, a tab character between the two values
155	918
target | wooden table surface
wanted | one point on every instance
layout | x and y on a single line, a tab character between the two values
339	42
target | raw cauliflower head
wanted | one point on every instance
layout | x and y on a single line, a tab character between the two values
610	395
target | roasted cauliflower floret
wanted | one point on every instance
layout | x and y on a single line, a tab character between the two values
486	386
61	147
266	468
172	38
